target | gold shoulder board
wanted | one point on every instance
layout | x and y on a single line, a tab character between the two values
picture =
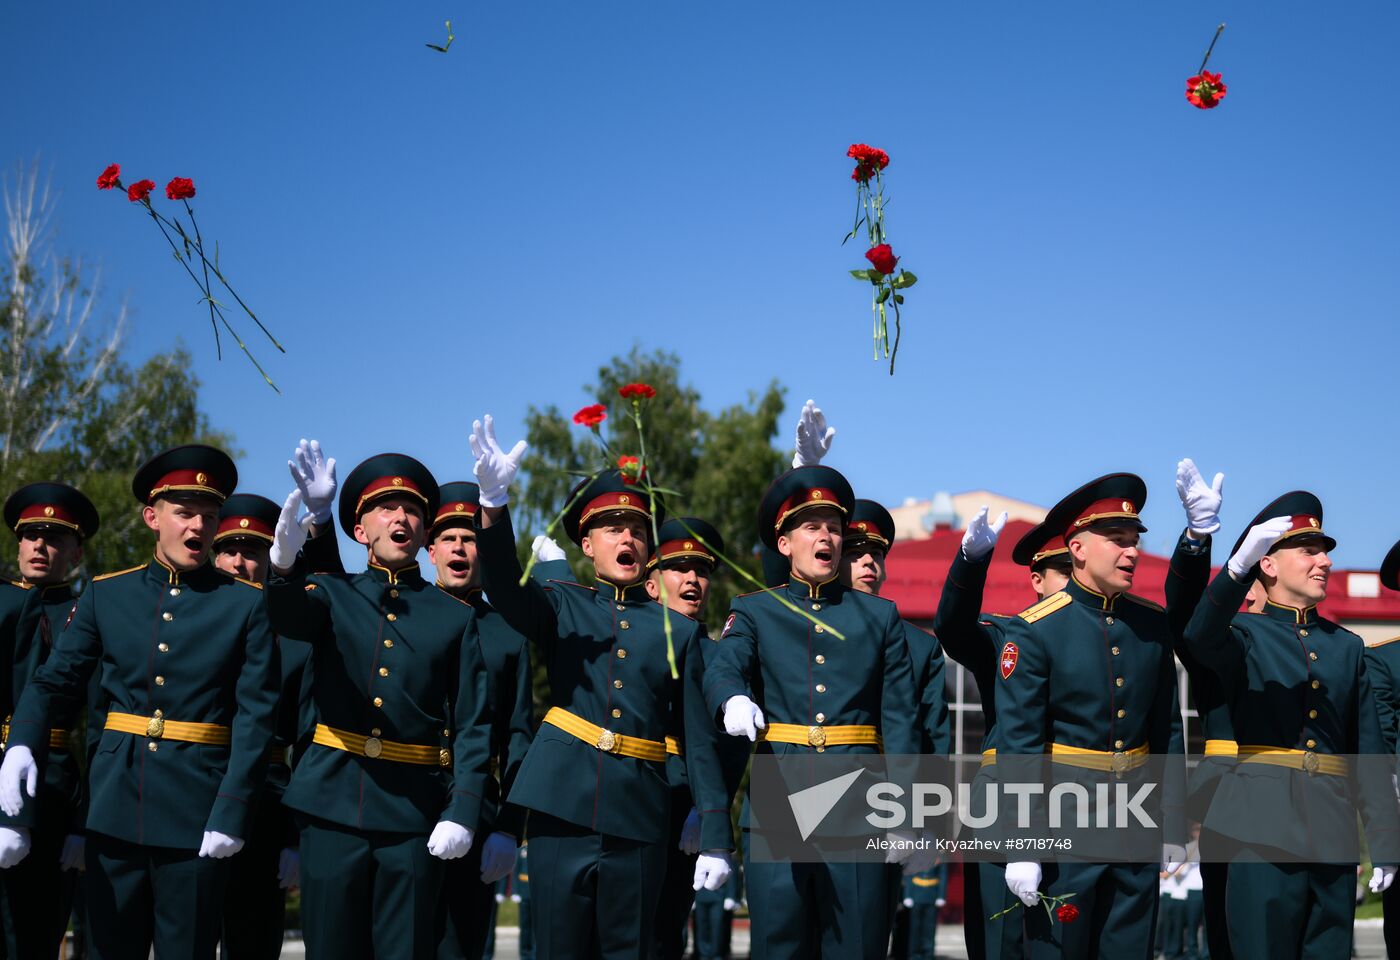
118	573
1044	608
1143	601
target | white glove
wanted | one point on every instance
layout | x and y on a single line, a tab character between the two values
514	898
1023	879
449	840
1202	502
1173	856
73	856
690	833
908	903
495	469
1381	879
288	537
712	870
921	859
497	856
500	898
546	549
19	767
940	903
981	536
314	476
813	436
1256	544
742	718
14	846
218	845
729	905
289	868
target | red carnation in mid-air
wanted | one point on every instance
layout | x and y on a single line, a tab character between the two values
882	257
631	469
869	160
591	415
1205	90
637	391
140	190
110	177
180	188
1068	913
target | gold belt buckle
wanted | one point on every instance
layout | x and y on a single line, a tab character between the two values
609	742
1119	763
816	737
1310	762
445	758
373	747
155	727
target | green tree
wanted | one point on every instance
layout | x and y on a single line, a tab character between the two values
72	409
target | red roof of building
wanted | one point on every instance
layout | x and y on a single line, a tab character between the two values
917	569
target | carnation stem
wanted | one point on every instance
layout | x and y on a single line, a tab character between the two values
893	295
645	480
1218	31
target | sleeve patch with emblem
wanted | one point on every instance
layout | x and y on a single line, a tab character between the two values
1010	653
727	624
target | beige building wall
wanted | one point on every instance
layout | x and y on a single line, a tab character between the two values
911	517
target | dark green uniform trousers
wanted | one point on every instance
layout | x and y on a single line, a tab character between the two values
838	911
1117	912
1299	910
392	871
713	925
923	931
985	894
600	902
255	905
677	895
468	909
140	896
36	897
1171	924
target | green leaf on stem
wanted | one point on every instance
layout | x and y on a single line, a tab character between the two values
883	295
905	280
863	275
899	298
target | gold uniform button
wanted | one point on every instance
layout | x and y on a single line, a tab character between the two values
1118	744
167	616
616	713
383	671
819	628
394	594
624	624
174	591
163	647
446	732
1116	651
617	684
1311	744
816	606
1108	620
388	643
160	681
821	718
375	732
1122	713
1312	655
621	654
391	617
151	746
1312	714
820	658
1118	682
379	701
821	688
1302	633
621	607
1316	684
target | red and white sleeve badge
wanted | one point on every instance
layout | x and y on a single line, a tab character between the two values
1009	655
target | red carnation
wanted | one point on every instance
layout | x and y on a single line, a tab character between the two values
631	469
637	391
180	188
882	257
869	160
140	190
591	416
1067	912
1205	90
110	178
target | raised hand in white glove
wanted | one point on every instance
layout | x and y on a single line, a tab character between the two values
813	436
712	870
1023	879
495	469
742	718
289	868
288	537
14	846
1256	544
690	833
73	856
1173	856
1381	879
546	549
497	856
314	476
449	840
217	846
19	768
1202	502
981	536
730	905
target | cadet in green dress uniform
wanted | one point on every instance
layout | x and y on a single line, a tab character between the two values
51	522
1383	665
189	680
1299	695
594	779
714	918
396	663
777	679
468	892
1088	679
925	893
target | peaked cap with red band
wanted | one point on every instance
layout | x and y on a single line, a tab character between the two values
461	500
51	504
869	523
1304	510
1390	569
1039	546
194	470
604	494
798	490
687	538
386	475
1114	500
247	515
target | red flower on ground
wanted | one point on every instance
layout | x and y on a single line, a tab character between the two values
882	257
591	415
180	188
1067	912
140	190
868	160
1205	90
631	469
110	177
637	391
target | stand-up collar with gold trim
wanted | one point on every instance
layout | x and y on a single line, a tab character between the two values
1090	598
163	573
629	593
1287	614
473	595
409	574
799	589
56	592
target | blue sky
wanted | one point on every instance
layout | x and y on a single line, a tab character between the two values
1110	278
